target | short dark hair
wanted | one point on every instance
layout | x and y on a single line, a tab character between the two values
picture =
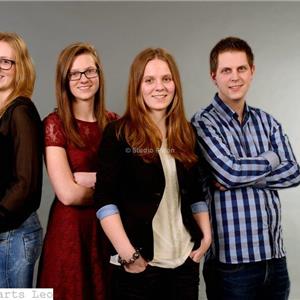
229	44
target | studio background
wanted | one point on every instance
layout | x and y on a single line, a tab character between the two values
189	30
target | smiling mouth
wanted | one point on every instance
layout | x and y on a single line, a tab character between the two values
236	86
84	87
159	96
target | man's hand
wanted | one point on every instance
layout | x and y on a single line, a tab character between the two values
219	186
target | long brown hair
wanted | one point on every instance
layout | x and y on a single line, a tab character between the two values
140	131
64	96
24	69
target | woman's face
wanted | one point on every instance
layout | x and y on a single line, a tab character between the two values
7	67
158	87
83	78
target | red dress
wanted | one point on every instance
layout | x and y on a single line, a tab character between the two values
75	258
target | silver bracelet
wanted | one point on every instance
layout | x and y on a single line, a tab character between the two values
133	258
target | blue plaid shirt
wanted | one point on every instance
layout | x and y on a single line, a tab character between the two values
252	160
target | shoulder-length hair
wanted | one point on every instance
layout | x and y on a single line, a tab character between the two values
137	126
24	80
64	96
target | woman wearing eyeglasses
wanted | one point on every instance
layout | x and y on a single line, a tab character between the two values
73	257
20	165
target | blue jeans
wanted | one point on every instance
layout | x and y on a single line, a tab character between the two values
19	250
263	280
180	283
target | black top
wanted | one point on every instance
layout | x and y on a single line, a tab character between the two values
137	187
21	164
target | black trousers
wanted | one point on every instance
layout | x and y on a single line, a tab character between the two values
157	283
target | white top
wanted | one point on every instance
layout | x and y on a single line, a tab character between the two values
172	242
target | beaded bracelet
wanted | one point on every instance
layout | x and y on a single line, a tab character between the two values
134	257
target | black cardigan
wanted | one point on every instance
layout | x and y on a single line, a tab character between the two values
21	163
136	188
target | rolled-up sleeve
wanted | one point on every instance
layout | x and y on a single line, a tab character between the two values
106	211
198	184
109	169
199	207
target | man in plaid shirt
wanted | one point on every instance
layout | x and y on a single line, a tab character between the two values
250	158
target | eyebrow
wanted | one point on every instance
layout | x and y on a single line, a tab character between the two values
224	68
167	74
246	66
87	68
6	57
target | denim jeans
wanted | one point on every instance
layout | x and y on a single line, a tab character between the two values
19	250
265	280
180	283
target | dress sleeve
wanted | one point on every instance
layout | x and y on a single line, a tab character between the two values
53	131
23	193
111	116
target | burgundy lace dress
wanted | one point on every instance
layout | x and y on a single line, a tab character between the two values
75	258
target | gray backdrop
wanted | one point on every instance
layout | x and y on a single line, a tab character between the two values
188	30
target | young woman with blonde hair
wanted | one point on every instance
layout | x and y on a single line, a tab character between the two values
21	165
148	189
73	257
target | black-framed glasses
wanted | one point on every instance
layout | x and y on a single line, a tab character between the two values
89	73
6	64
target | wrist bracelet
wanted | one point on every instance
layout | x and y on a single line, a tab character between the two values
133	258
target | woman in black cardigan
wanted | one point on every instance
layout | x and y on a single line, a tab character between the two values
20	165
149	191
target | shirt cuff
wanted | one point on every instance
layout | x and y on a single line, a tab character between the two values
272	158
198	207
106	211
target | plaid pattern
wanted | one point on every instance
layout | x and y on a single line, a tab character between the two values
246	217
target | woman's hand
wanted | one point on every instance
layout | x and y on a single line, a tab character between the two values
202	219
137	267
86	179
113	228
197	254
62	178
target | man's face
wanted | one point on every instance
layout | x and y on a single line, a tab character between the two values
233	76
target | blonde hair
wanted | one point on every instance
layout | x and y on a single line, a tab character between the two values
140	131
24	80
64	96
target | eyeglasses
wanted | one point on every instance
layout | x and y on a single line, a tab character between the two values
89	73
6	64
